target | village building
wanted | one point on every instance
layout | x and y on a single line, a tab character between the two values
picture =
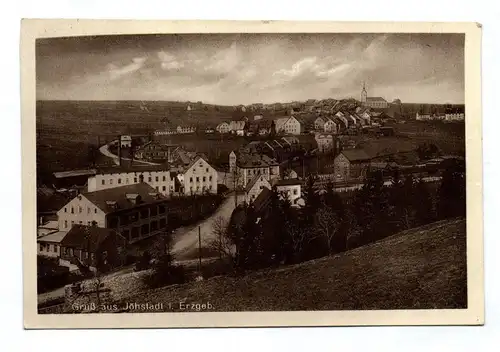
125	141
237	127
156	176
288	125
255	186
135	211
248	165
330	126
199	177
223	127
454	114
185	129
291	188
49	245
372	102
325	142
92	247
319	123
351	165
156	151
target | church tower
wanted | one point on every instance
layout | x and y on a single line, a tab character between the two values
364	94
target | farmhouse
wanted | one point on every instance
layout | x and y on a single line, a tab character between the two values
330	126
291	188
319	123
350	165
247	166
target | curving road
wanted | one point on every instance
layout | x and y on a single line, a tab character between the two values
185	239
106	152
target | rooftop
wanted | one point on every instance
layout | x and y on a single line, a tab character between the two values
54	237
255	160
85	237
115	199
130	168
75	173
288	182
356	155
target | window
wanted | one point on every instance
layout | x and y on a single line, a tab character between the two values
65	210
164	178
206	170
110	181
210	187
54	247
88	210
88	223
126	181
190	179
72	210
210	178
194	170
119	180
164	188
72	223
81	222
103	182
80	209
197	179
149	179
204	178
95	210
65	224
157	188
156	179
135	179
294	192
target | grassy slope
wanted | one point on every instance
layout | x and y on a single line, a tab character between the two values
421	268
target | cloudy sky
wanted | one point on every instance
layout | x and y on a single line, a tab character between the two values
235	69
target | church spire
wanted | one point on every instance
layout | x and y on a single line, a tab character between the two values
364	93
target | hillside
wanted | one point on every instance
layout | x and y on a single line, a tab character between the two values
421	268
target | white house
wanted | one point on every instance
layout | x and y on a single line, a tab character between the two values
157	176
223	127
126	141
287	125
247	166
291	188
330	126
319	123
255	186
237	126
199	177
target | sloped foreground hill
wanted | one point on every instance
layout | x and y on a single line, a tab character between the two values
421	268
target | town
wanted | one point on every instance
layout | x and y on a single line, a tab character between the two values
149	193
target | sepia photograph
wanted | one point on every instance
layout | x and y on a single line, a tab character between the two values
330	172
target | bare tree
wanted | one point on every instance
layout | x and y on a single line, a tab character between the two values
299	237
222	242
327	224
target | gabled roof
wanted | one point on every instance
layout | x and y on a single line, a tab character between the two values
255	160
115	199
53	237
355	155
75	173
252	183
375	99
195	160
86	237
288	182
130	168
262	199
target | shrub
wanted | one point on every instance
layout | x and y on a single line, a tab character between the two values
165	273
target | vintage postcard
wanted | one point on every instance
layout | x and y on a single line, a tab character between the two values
231	174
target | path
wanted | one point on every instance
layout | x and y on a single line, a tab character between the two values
106	152
185	239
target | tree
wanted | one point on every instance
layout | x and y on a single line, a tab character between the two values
452	196
222	242
327	225
424	210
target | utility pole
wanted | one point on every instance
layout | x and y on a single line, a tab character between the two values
199	248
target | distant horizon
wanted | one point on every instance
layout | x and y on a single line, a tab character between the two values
235	105
236	69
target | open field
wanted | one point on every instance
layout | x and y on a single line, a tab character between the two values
422	268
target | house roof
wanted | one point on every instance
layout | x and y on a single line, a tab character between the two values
288	182
75	173
86	237
195	160
354	155
130	168
255	160
262	199
115	199
252	183
375	99
54	237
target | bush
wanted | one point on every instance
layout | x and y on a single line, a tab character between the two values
165	273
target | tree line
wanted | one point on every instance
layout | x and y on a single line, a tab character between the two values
330	223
